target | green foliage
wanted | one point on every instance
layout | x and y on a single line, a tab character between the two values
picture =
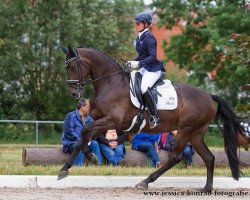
51	134
213	138
32	73
207	30
17	132
26	133
239	50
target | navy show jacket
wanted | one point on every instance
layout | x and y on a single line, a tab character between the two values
146	47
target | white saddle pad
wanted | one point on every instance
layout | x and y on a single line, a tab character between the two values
167	100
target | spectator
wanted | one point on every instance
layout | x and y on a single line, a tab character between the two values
112	146
72	127
246	126
166	142
188	154
147	143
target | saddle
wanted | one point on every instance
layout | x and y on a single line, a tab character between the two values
163	93
153	89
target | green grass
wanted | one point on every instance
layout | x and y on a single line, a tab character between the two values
105	170
11	164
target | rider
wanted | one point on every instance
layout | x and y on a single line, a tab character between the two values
150	68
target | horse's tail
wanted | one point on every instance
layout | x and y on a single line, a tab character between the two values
229	130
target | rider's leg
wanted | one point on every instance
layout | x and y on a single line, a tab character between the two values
150	103
148	80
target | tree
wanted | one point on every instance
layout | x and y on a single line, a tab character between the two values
32	63
200	49
239	51
33	76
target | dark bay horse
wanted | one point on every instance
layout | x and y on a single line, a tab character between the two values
112	108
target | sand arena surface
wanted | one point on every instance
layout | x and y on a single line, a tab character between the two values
119	193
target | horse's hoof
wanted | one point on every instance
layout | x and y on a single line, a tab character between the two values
206	190
93	159
142	186
62	174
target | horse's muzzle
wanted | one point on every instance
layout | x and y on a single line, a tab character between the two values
75	95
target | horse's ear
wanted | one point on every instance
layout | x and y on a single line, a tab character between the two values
65	50
71	51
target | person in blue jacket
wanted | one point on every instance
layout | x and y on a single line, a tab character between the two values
150	67
72	127
146	143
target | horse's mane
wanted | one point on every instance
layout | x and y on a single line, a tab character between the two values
105	54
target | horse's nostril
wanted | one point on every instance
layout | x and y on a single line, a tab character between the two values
75	95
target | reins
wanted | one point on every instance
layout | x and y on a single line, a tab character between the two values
102	77
82	83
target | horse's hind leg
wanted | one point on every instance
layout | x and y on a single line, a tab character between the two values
208	158
172	161
175	157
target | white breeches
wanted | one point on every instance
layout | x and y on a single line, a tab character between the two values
148	79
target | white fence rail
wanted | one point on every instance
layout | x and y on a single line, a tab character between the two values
32	122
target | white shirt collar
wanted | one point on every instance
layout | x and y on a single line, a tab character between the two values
140	33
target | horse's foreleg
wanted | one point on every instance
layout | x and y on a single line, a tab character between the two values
97	127
63	173
86	150
172	161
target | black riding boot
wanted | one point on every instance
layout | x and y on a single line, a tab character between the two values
150	103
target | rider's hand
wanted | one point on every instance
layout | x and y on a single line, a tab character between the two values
113	144
133	64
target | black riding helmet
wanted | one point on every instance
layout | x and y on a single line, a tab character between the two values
143	17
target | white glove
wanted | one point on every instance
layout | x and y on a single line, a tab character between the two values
133	64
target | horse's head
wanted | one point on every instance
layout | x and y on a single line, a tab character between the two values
77	71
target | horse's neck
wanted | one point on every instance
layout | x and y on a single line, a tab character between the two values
116	81
106	73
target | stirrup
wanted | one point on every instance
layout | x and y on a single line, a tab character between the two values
153	121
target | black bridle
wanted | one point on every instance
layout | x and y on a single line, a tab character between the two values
80	83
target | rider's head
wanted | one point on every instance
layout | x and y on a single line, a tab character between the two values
142	21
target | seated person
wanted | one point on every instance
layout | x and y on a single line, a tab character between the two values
112	146
246	127
72	127
188	152
146	143
166	142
